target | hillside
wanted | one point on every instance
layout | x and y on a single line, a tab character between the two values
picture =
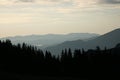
108	40
23	62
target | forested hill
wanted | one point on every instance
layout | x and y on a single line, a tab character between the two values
23	59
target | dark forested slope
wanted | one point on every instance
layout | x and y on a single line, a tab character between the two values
27	60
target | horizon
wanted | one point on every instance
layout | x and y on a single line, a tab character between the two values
40	17
58	34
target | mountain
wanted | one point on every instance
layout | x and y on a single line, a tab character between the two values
108	40
42	41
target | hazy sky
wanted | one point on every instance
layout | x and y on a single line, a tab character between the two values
24	17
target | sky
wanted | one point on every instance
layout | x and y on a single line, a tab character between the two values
27	17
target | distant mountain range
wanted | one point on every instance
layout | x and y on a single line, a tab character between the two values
108	40
42	41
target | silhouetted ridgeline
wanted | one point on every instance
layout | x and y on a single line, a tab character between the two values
25	59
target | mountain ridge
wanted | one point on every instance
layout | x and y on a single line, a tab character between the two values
43	41
108	40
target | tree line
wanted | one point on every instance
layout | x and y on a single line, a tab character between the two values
26	59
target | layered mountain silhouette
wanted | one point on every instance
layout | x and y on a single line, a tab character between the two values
108	40
43	41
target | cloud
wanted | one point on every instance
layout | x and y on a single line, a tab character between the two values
14	18
109	1
63	2
25	1
66	1
60	6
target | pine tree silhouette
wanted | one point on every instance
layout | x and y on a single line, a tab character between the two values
25	59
